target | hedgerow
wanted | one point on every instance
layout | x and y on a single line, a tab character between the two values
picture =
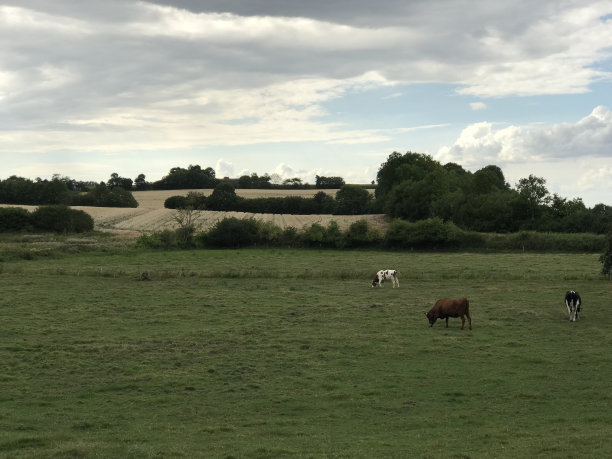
430	234
60	219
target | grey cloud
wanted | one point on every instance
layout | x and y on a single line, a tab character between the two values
70	61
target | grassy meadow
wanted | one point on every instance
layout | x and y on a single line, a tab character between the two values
290	353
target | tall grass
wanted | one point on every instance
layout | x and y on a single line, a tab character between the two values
283	353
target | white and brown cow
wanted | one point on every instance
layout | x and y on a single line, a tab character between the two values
385	274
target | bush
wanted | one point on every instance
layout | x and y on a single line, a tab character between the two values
232	233
175	202
196	200
62	219
431	233
606	257
103	196
14	219
166	239
223	198
319	236
290	237
360	235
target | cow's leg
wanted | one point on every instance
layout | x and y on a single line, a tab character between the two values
462	322
469	319
569	309
446	321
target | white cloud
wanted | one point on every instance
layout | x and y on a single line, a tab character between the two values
224	168
137	79
477	106
596	178
480	144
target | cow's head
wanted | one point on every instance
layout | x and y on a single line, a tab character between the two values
375	281
432	317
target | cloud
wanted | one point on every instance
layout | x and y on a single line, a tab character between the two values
136	79
596	178
481	144
224	168
477	106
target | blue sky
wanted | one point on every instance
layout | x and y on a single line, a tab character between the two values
298	89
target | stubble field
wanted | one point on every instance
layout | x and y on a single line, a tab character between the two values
151	216
290	353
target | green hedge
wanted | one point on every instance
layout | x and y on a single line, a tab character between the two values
61	219
430	234
15	219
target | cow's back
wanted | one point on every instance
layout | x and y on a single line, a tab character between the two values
452	306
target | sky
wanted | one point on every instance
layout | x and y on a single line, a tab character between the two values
303	88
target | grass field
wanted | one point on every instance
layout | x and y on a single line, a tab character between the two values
282	353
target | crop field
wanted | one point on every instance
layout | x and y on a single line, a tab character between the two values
290	353
150	215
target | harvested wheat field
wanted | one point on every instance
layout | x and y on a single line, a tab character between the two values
151	216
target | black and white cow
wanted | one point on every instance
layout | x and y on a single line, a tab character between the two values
573	302
386	274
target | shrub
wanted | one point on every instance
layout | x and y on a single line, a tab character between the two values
360	235
175	202
196	200
13	219
166	239
103	196
232	232
290	237
223	198
268	233
62	219
314	235
424	234
606	257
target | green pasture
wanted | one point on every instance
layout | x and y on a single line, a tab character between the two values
288	353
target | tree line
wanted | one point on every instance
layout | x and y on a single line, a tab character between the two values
116	191
413	187
63	191
349	200
410	186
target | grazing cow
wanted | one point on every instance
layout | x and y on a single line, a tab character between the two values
385	274
450	307
573	302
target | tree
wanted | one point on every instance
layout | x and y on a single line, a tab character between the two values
606	257
352	200
116	181
328	182
141	182
294	182
187	221
489	179
193	177
323	203
534	192
399	168
409	200
223	197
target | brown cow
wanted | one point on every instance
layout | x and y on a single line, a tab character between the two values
450	307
